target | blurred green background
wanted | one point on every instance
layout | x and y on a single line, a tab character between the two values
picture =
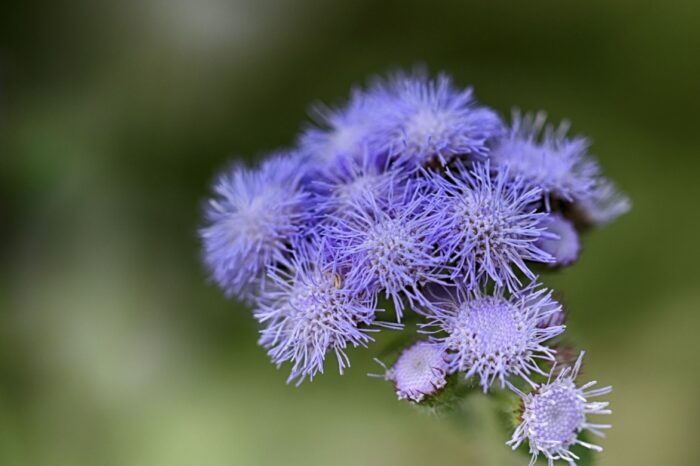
115	116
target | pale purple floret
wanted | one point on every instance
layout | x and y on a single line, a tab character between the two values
251	219
555	414
564	244
420	371
309	311
386	246
340	189
342	133
426	120
490	226
493	337
604	204
544	156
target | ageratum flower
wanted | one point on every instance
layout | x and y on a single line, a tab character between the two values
425	120
555	414
342	133
409	188
341	188
564	245
420	371
251	219
546	158
494	336
386	247
604	204
489	226
309	311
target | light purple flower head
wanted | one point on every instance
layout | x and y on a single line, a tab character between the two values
494	336
386	246
309	311
490	226
426	120
420	371
604	204
543	156
251	219
342	133
563	244
555	414
349	181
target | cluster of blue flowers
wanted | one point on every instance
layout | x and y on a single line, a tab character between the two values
416	198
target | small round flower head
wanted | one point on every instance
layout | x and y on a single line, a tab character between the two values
490	226
251	219
555	414
604	204
545	157
386	247
342	133
494	337
309	311
350	180
563	244
420	371
428	120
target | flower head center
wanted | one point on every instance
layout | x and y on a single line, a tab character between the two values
557	414
389	245
493	328
426	128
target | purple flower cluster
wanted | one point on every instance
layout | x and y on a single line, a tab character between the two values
416	198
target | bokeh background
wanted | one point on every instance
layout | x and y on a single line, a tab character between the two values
115	116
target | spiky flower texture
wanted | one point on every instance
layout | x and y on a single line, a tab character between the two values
250	222
428	120
490	227
384	244
417	198
309	311
556	413
493	336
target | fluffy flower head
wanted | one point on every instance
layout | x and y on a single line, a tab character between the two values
546	158
427	120
490	226
341	188
386	246
556	413
420	371
251	219
341	134
309	311
604	204
494	337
